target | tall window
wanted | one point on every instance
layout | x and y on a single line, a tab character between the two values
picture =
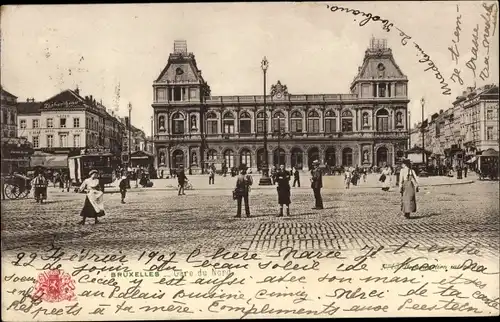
50	123
490	135
382	121
228	122
50	141
382	90
278	121
212	123
347	121
35	123
5	117
246	158
76	140
212	155
76	122
63	140
229	158
313	122
296	121
22	124
260	122
245	123
330	122
62	122
161	94
36	142
177	123
489	114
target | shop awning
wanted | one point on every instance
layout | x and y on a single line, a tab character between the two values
49	161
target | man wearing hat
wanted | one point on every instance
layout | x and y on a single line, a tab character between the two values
317	184
243	183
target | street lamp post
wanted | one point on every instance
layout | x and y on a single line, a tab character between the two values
129	132
265	180
422	102
409	130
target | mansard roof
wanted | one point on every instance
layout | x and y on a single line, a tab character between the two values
378	56
185	62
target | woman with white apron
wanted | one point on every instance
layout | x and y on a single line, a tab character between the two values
408	187
386	178
94	202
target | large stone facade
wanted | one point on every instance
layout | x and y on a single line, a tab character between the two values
366	127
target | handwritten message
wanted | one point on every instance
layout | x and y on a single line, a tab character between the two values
482	36
403	279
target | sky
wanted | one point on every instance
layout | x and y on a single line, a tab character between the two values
312	50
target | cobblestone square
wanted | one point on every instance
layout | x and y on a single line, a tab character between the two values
159	218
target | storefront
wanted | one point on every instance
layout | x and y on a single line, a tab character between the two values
141	159
16	154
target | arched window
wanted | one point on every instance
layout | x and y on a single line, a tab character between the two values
228	123
161	123
229	158
212	123
330	122
313	122
178	123
347	121
365	121
211	155
246	157
260	122
399	119
278	121
296	121
347	157
382	120
245	123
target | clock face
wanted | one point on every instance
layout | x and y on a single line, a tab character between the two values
279	95
179	71
381	67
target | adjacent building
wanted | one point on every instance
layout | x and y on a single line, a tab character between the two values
67	123
9	114
466	129
366	126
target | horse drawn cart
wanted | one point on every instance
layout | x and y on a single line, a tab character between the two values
16	186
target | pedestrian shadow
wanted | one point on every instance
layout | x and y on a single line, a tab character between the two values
432	214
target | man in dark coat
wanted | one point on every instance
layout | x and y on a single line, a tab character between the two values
181	179
317	184
243	183
283	180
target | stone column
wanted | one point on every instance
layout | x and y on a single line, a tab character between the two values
360	157
322	122
376	91
187	123
288	159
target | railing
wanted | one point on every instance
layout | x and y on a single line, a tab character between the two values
289	136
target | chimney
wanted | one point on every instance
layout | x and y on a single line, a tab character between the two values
91	99
77	90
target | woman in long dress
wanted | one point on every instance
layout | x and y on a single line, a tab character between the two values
408	187
94	202
386	178
283	188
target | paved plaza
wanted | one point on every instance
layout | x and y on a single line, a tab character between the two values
158	218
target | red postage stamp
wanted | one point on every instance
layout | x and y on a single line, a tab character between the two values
54	286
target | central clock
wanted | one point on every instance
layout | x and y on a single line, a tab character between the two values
279	95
